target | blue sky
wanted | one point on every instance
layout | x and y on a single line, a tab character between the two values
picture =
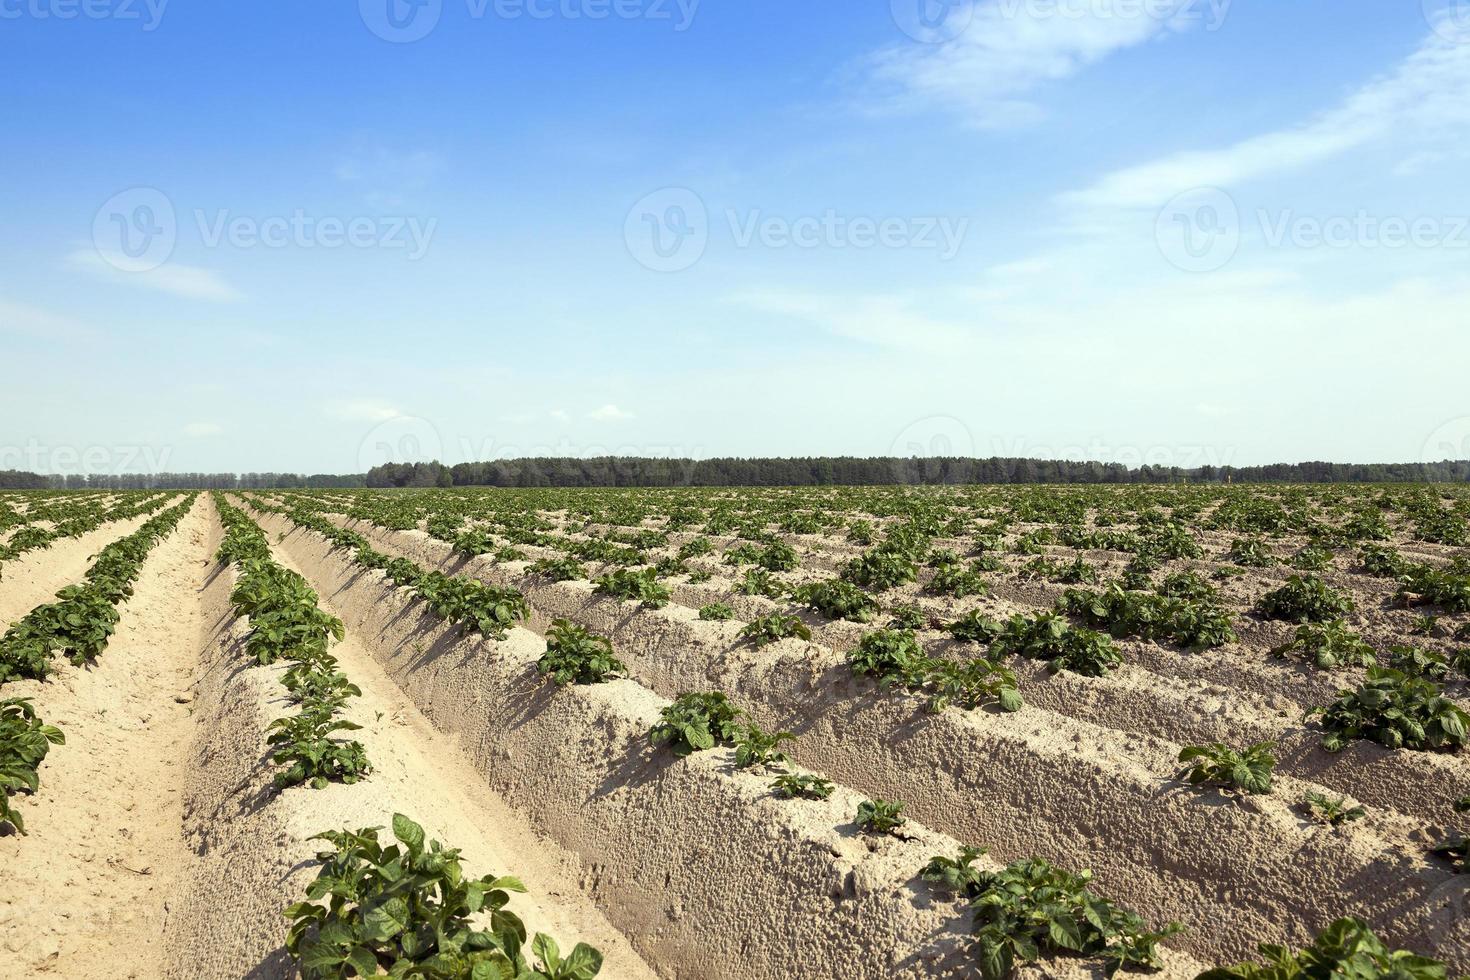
1174	231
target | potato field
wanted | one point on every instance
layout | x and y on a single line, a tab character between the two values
766	733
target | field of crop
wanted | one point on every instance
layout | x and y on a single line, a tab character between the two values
736	733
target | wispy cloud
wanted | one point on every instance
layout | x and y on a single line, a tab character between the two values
1425	100
201	429
190	282
607	412
361	410
883	320
31	321
991	72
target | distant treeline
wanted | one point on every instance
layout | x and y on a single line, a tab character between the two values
15	480
633	471
630	471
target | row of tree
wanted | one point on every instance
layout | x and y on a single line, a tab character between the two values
15	480
631	471
635	471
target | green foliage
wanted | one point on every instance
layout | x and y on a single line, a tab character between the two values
716	612
577	656
24	742
1329	646
698	721
408	909
1312	558
758	581
563	569
1049	637
1195	625
1396	711
755	748
791	785
970	684
907	617
1031	909
881	568
1305	600
1382	561
976	627
1446	588
627	585
775	627
1333	812
307	753
894	657
1345	949
778	557
1251	553
838	599
956	580
1219	765
879	816
957	874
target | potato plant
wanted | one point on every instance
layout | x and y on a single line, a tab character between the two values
1305	600
1329	646
791	785
24	742
774	628
1030	909
698	721
1396	711
409	910
1333	812
1217	764
1346	948
577	656
879	816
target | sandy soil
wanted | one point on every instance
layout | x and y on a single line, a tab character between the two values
1159	847
93	881
35	577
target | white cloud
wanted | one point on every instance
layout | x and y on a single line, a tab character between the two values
32	321
1011	48
609	412
884	320
1426	99
202	429
188	281
362	410
561	415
